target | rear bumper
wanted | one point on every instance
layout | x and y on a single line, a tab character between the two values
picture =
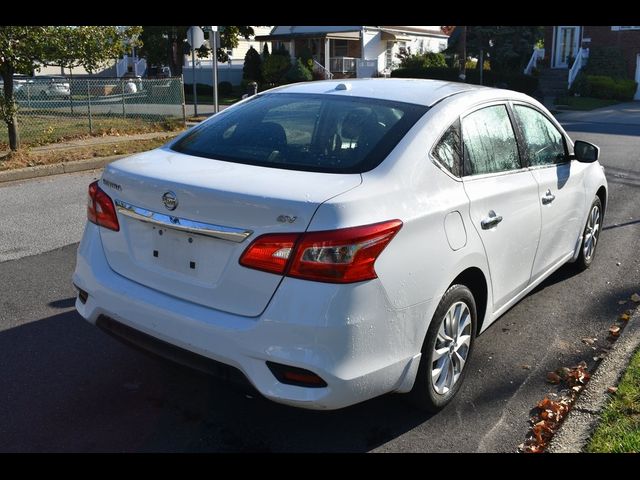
349	335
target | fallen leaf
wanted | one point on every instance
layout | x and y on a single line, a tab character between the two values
553	377
526	367
614	330
624	317
589	341
621	302
612	389
635	298
576	388
563	372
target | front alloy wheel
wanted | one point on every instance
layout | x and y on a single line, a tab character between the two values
591	235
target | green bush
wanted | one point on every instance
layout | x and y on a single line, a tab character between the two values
201	89
252	69
298	73
608	61
602	86
275	67
225	88
422	60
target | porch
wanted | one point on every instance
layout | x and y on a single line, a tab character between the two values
335	55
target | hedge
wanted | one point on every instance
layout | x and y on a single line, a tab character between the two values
513	81
601	86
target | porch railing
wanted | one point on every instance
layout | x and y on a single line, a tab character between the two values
140	67
578	64
318	67
538	54
343	64
121	66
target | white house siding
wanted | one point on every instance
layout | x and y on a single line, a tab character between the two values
243	47
376	49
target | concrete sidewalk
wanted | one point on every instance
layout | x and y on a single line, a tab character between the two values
622	113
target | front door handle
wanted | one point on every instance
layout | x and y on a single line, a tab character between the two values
491	221
548	197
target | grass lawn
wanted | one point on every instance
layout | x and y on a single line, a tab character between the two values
619	430
36	129
30	158
583	103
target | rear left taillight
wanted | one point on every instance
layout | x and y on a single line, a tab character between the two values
100	208
335	256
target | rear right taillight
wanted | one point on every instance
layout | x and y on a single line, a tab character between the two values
346	255
100	208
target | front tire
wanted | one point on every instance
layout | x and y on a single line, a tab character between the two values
590	235
446	350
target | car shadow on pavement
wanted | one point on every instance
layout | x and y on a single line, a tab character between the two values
67	386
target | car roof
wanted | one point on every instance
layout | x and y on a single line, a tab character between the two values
409	90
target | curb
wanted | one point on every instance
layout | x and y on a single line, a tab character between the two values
584	417
57	168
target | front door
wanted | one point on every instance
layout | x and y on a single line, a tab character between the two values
567	44
503	196
561	193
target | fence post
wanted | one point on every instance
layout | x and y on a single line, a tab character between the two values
124	112
184	108
89	107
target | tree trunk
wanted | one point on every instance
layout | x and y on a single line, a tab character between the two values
11	119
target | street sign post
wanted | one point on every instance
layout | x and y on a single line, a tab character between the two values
213	37
195	38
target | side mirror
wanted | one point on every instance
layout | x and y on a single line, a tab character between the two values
586	152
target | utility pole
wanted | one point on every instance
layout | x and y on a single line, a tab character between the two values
463	53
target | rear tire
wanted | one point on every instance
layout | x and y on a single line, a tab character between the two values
590	235
446	350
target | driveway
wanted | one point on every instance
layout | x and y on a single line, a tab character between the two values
66	386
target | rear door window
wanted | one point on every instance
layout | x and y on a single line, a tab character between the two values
489	142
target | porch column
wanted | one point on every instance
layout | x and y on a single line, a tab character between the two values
327	54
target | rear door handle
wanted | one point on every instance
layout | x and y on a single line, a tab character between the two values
548	198
491	221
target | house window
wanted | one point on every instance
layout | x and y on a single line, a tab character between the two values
388	59
340	48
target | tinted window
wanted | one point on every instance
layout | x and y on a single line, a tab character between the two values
489	142
448	151
327	133
544	144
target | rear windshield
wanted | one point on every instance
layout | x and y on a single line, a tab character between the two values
322	133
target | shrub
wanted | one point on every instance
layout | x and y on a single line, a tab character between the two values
298	73
225	88
607	61
602	86
265	51
421	60
201	89
252	69
275	67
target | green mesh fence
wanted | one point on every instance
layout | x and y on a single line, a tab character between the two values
52	110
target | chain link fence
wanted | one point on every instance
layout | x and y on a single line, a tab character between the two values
56	109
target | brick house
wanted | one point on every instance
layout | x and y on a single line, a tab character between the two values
565	42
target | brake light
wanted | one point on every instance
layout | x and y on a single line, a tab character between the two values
270	252
100	209
335	256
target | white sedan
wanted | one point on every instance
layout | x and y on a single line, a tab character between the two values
333	241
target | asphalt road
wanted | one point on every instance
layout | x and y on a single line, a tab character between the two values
66	386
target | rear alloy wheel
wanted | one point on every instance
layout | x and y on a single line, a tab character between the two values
446	350
591	235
